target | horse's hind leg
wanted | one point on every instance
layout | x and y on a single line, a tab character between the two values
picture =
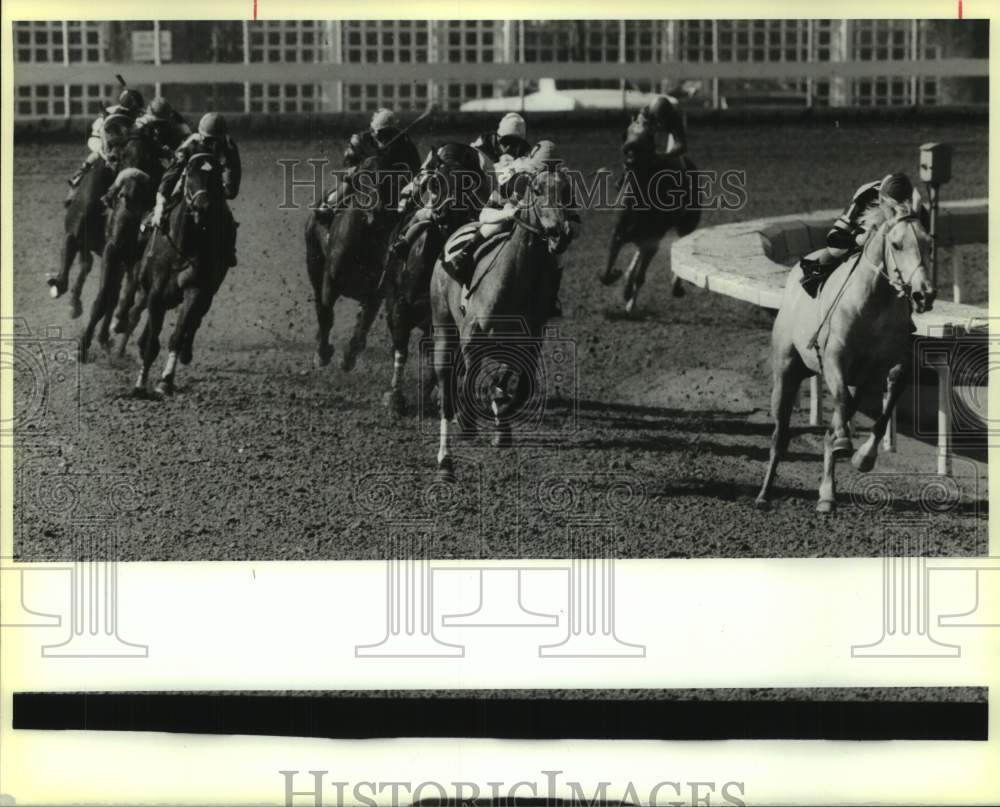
637	276
446	351
788	374
60	282
86	264
394	398
187	318
836	442
100	309
864	458
149	342
366	316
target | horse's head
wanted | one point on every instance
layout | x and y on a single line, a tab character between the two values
115	132
377	184
639	145
203	190
451	181
548	193
904	256
133	190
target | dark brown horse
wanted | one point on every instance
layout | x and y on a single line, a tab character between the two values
131	195
450	191
657	199
346	258
183	265
493	334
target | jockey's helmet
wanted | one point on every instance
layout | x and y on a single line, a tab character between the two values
383	119
543	153
212	124
160	107
512	126
896	188
659	108
131	100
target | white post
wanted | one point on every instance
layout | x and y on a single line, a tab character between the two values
157	56
957	265
520	56
809	59
246	60
715	60
622	39
432	57
914	55
336	56
816	400
939	360
66	87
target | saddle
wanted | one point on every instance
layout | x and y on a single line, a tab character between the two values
458	241
815	274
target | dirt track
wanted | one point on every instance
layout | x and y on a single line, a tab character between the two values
261	456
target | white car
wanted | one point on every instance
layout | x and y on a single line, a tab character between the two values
550	99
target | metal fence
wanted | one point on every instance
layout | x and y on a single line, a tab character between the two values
63	68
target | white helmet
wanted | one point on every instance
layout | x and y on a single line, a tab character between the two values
384	119
512	125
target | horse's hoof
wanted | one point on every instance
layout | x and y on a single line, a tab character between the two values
186	355
347	361
610	277
394	401
762	504
842	447
825	506
56	289
863	462
84	355
630	305
321	358
446	471
75	308
141	394
165	386
502	439
678	289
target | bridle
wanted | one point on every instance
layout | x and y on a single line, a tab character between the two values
189	197
902	286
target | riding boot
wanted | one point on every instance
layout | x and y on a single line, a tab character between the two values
401	246
75	180
461	265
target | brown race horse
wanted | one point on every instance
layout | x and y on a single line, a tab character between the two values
451	192
188	242
346	258
84	222
856	333
657	199
494	332
131	195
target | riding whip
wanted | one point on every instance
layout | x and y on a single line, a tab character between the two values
425	114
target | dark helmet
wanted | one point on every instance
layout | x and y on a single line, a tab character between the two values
896	187
659	108
212	124
160	107
131	100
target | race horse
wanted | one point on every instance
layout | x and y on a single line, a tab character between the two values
345	258
447	186
183	265
856	332
130	197
84	221
490	334
658	198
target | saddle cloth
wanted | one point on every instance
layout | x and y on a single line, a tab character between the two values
466	233
815	274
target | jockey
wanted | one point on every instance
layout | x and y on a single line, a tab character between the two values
664	118
502	206
847	234
130	106
213	138
510	138
160	110
383	135
422	194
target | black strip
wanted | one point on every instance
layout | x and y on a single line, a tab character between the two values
338	717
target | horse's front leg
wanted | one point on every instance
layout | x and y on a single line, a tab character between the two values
836	442
187	319
400	333
445	355
864	458
637	275
149	342
366	316
611	274
59	283
76	293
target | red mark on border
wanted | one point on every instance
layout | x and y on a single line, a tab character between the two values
959	7
255	9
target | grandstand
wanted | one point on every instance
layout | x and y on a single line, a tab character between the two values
424	60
